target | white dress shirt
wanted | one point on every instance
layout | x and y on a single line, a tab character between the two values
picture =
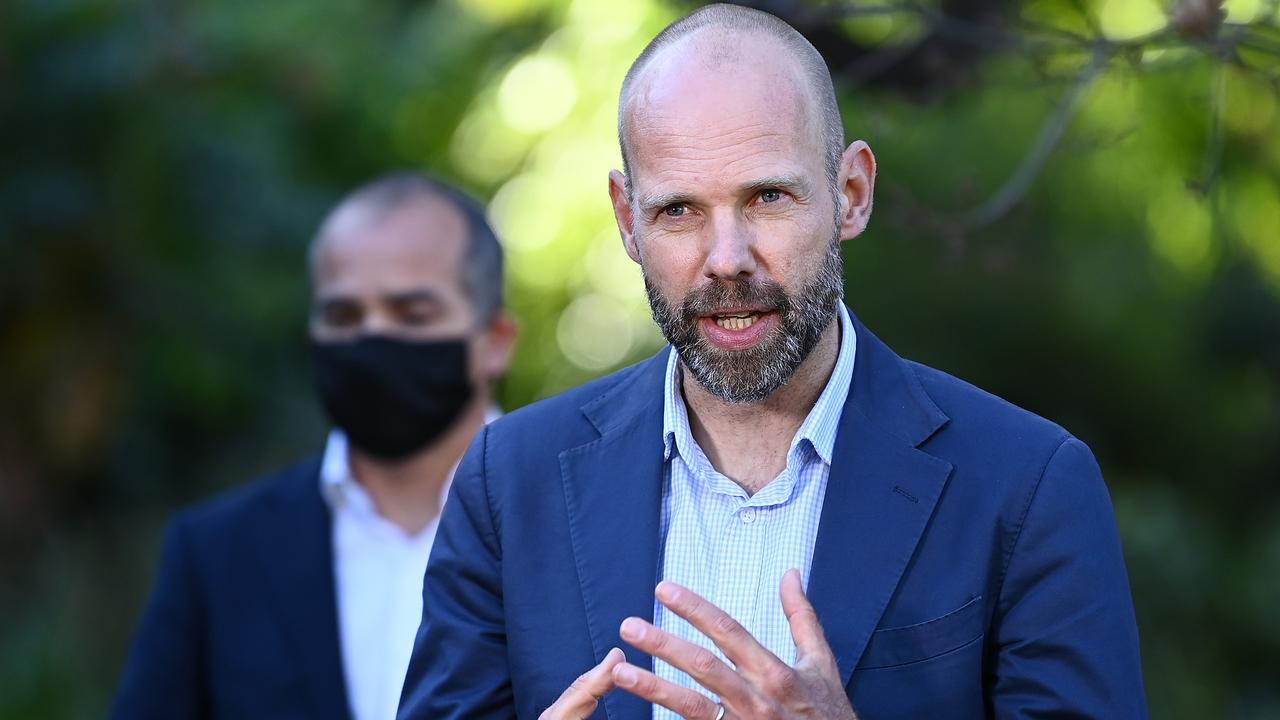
378	570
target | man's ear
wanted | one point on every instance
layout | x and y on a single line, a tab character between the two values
622	213
857	181
499	342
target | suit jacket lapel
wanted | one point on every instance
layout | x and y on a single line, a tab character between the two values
880	496
613	490
297	553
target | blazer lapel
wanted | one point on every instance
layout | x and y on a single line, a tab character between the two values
297	553
880	496
613	489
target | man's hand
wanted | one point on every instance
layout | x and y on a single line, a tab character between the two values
759	685
584	694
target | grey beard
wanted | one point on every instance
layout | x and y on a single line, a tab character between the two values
753	374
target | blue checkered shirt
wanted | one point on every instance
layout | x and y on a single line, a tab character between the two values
731	548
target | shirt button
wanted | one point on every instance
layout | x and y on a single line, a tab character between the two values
748	515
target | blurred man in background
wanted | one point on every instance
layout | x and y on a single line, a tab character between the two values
300	595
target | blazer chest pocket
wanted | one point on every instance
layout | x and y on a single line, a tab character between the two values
913	643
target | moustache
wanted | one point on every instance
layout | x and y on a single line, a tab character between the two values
728	295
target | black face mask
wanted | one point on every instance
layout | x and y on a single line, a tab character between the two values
392	397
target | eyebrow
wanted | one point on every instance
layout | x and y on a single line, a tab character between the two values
413	296
793	184
331	301
650	204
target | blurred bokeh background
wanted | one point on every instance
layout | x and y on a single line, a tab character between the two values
1078	209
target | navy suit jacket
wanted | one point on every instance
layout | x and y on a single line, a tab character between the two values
242	622
967	563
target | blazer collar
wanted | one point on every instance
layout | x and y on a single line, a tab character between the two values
636	394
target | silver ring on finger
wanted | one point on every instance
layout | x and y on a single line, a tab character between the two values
720	712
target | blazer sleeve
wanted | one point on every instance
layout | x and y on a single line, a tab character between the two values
459	664
163	676
1064	629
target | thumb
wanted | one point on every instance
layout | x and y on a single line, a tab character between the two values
582	697
805	628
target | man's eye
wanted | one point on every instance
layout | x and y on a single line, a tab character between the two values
415	312
340	315
417	316
676	210
770	196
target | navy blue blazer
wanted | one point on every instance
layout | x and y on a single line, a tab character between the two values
242	622
967	563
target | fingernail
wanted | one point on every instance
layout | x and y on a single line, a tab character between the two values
668	592
632	629
625	675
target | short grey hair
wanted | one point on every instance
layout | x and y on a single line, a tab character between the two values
482	262
734	17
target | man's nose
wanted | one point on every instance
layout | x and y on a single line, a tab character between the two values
377	322
731	255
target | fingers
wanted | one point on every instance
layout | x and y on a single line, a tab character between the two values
733	640
682	701
700	663
581	698
805	628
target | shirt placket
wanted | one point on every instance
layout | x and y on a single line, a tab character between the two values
691	568
738	557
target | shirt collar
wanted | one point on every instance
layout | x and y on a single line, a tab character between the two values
819	427
339	486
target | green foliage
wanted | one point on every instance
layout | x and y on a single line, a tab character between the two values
165	164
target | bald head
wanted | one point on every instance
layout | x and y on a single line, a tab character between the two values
723	40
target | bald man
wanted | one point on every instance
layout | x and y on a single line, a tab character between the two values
299	596
776	517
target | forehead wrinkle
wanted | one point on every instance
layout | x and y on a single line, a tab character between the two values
742	161
712	143
728	146
745	165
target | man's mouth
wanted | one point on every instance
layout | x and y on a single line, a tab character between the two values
736	321
737	328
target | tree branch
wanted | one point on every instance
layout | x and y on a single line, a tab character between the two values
1213	146
1016	187
959	35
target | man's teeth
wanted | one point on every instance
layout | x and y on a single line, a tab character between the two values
738	321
